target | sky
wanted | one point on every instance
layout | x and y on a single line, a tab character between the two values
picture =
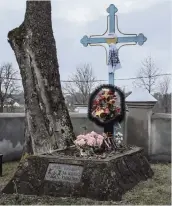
72	19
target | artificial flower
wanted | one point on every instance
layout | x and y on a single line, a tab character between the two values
104	106
118	110
91	139
106	111
112	101
99	112
79	137
110	92
96	102
80	142
99	140
106	95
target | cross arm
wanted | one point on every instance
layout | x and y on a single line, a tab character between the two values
140	39
88	40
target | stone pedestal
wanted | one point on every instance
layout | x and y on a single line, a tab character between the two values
100	179
138	123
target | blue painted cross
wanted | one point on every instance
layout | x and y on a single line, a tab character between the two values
140	39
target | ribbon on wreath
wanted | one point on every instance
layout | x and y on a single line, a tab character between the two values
113	60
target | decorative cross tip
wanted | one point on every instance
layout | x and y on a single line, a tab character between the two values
141	39
84	41
112	9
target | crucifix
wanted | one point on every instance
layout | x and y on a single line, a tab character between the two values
112	39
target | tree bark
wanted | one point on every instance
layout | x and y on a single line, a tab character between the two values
48	124
1	107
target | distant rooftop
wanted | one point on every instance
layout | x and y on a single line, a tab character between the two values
140	95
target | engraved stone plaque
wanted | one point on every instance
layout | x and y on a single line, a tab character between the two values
64	173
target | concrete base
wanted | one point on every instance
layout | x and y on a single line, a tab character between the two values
100	179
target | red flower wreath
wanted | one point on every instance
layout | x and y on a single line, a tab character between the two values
104	105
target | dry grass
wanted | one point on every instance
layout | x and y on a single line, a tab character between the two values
155	191
8	171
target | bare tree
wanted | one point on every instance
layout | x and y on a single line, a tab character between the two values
8	85
48	125
81	84
164	87
147	75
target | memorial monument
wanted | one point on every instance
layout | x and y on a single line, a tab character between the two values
97	166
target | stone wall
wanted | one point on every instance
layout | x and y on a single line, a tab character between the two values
160	141
11	135
138	125
12	132
150	131
153	134
14	109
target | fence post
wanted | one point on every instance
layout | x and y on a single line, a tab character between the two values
138	126
1	165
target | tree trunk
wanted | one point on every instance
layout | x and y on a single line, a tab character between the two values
165	103
48	124
1	107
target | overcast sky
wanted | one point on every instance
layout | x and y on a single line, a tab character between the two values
72	19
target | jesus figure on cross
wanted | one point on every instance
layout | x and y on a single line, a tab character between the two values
113	59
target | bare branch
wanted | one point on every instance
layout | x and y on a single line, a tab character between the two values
149	71
7	85
81	84
164	85
164	97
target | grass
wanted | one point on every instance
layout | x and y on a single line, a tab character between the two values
8	171
155	191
